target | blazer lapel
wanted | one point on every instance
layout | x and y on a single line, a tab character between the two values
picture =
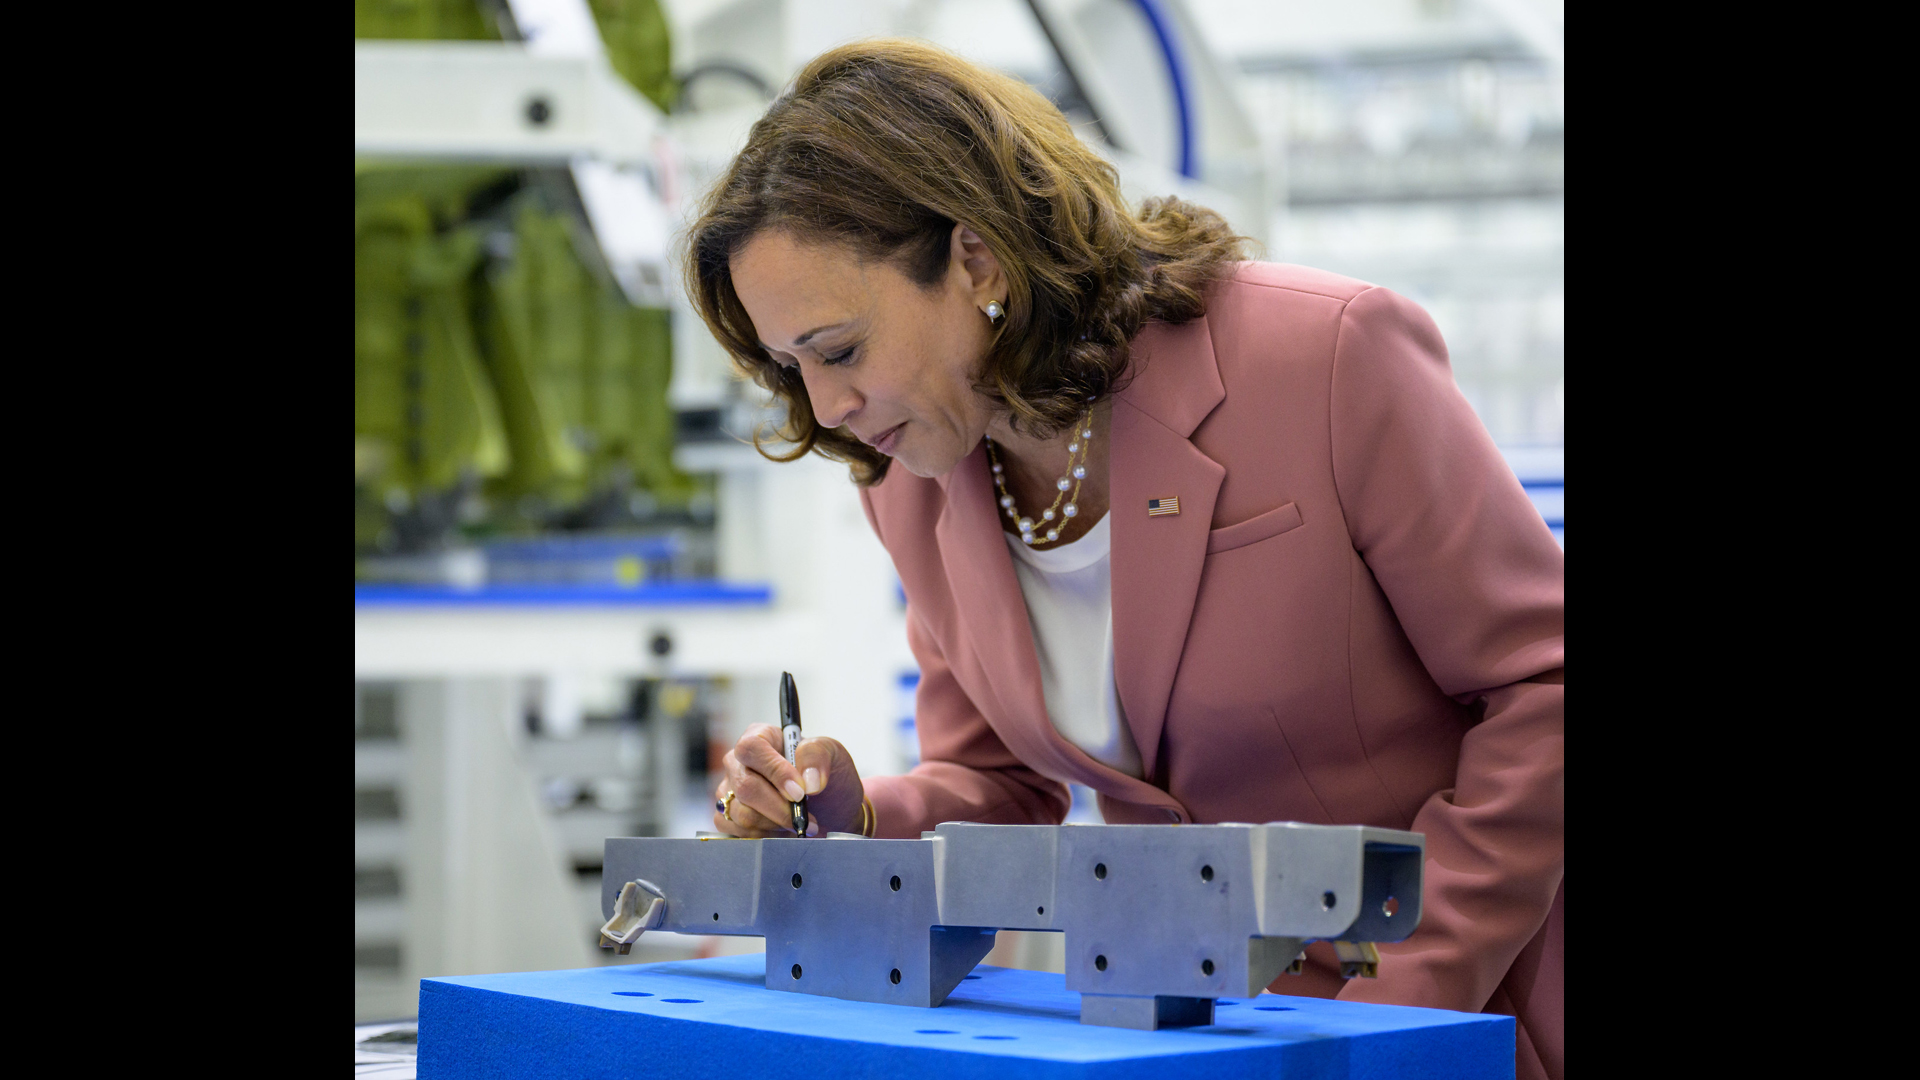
1157	560
993	617
991	612
1156	564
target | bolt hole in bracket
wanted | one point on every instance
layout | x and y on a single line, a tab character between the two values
1166	921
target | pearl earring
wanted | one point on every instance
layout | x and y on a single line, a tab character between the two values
995	311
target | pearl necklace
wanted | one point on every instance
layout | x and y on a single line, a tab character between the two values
1070	482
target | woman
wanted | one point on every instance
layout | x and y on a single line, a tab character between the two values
1219	540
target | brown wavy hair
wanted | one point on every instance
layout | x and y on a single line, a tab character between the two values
883	146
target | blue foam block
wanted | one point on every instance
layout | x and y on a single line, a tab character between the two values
709	1019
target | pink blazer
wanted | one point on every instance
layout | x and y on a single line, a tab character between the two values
1356	618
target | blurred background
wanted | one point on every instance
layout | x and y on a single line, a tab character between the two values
574	586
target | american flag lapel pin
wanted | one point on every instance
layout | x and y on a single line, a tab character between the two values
1158	507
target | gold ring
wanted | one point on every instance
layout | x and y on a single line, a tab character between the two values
726	807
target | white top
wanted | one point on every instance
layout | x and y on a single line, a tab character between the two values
1069	594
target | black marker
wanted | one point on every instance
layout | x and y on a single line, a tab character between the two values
790	731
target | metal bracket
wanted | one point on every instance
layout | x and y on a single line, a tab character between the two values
1160	921
629	920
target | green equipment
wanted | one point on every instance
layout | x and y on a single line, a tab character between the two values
500	375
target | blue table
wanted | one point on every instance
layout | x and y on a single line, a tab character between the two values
716	1020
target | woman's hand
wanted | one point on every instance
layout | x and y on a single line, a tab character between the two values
765	785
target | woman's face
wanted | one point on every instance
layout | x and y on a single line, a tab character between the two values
891	361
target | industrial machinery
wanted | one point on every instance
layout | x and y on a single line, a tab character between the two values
1159	920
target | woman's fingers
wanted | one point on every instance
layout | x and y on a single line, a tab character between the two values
756	805
724	810
760	750
833	784
765	785
819	761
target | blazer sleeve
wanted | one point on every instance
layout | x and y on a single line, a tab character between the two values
965	773
1478	585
